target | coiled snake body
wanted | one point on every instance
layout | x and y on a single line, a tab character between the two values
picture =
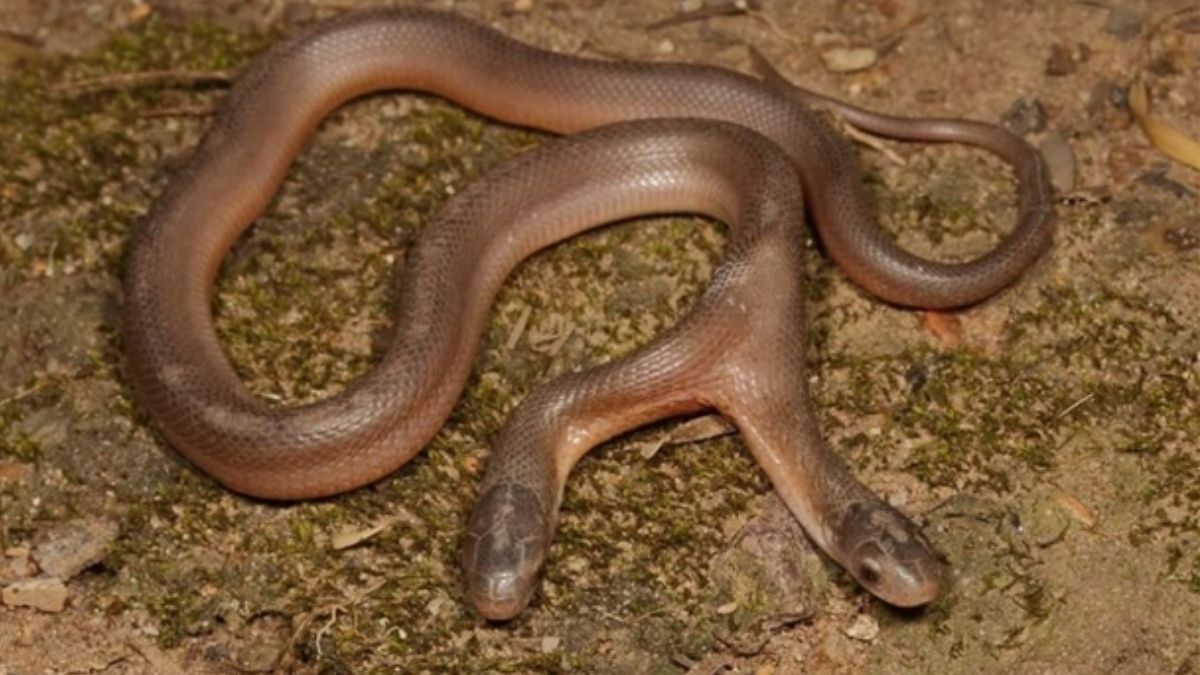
736	352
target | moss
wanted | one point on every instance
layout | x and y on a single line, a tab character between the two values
70	146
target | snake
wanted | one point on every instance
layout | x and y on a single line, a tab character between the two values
755	153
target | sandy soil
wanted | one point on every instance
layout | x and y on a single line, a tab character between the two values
1046	440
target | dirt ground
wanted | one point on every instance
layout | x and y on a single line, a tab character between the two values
1046	440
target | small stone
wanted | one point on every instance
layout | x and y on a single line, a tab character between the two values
864	628
48	594
1060	62
66	549
1175	514
46	427
1024	117
822	39
259	656
1107	106
1060	159
1158	180
1124	22
1184	237
140	11
550	643
522	5
849	59
23	241
727	608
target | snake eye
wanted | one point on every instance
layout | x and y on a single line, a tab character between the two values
869	572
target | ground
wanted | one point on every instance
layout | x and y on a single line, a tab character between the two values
1046	439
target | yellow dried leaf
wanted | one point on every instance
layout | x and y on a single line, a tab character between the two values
1171	141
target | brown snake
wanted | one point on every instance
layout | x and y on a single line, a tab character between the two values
737	352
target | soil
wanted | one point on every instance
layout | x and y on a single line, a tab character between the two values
1046	439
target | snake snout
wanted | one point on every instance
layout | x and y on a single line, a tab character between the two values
890	557
506	545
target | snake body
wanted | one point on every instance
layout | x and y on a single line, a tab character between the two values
736	352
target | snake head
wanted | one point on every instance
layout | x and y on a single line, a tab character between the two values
507	541
886	553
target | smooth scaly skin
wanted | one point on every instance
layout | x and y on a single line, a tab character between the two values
182	377
739	351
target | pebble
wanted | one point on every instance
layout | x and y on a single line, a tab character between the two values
864	628
66	549
1175	514
1185	237
1124	22
1024	117
1060	61
259	656
849	59
18	565
47	594
1060	159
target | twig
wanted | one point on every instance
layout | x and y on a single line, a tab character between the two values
519	329
23	39
726	8
772	75
873	142
1069	409
149	78
21	394
776	28
332	610
323	630
891	38
179	111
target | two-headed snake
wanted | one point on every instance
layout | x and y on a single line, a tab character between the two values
740	350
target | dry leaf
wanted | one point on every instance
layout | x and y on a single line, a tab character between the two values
1171	141
947	328
698	429
351	536
1075	508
